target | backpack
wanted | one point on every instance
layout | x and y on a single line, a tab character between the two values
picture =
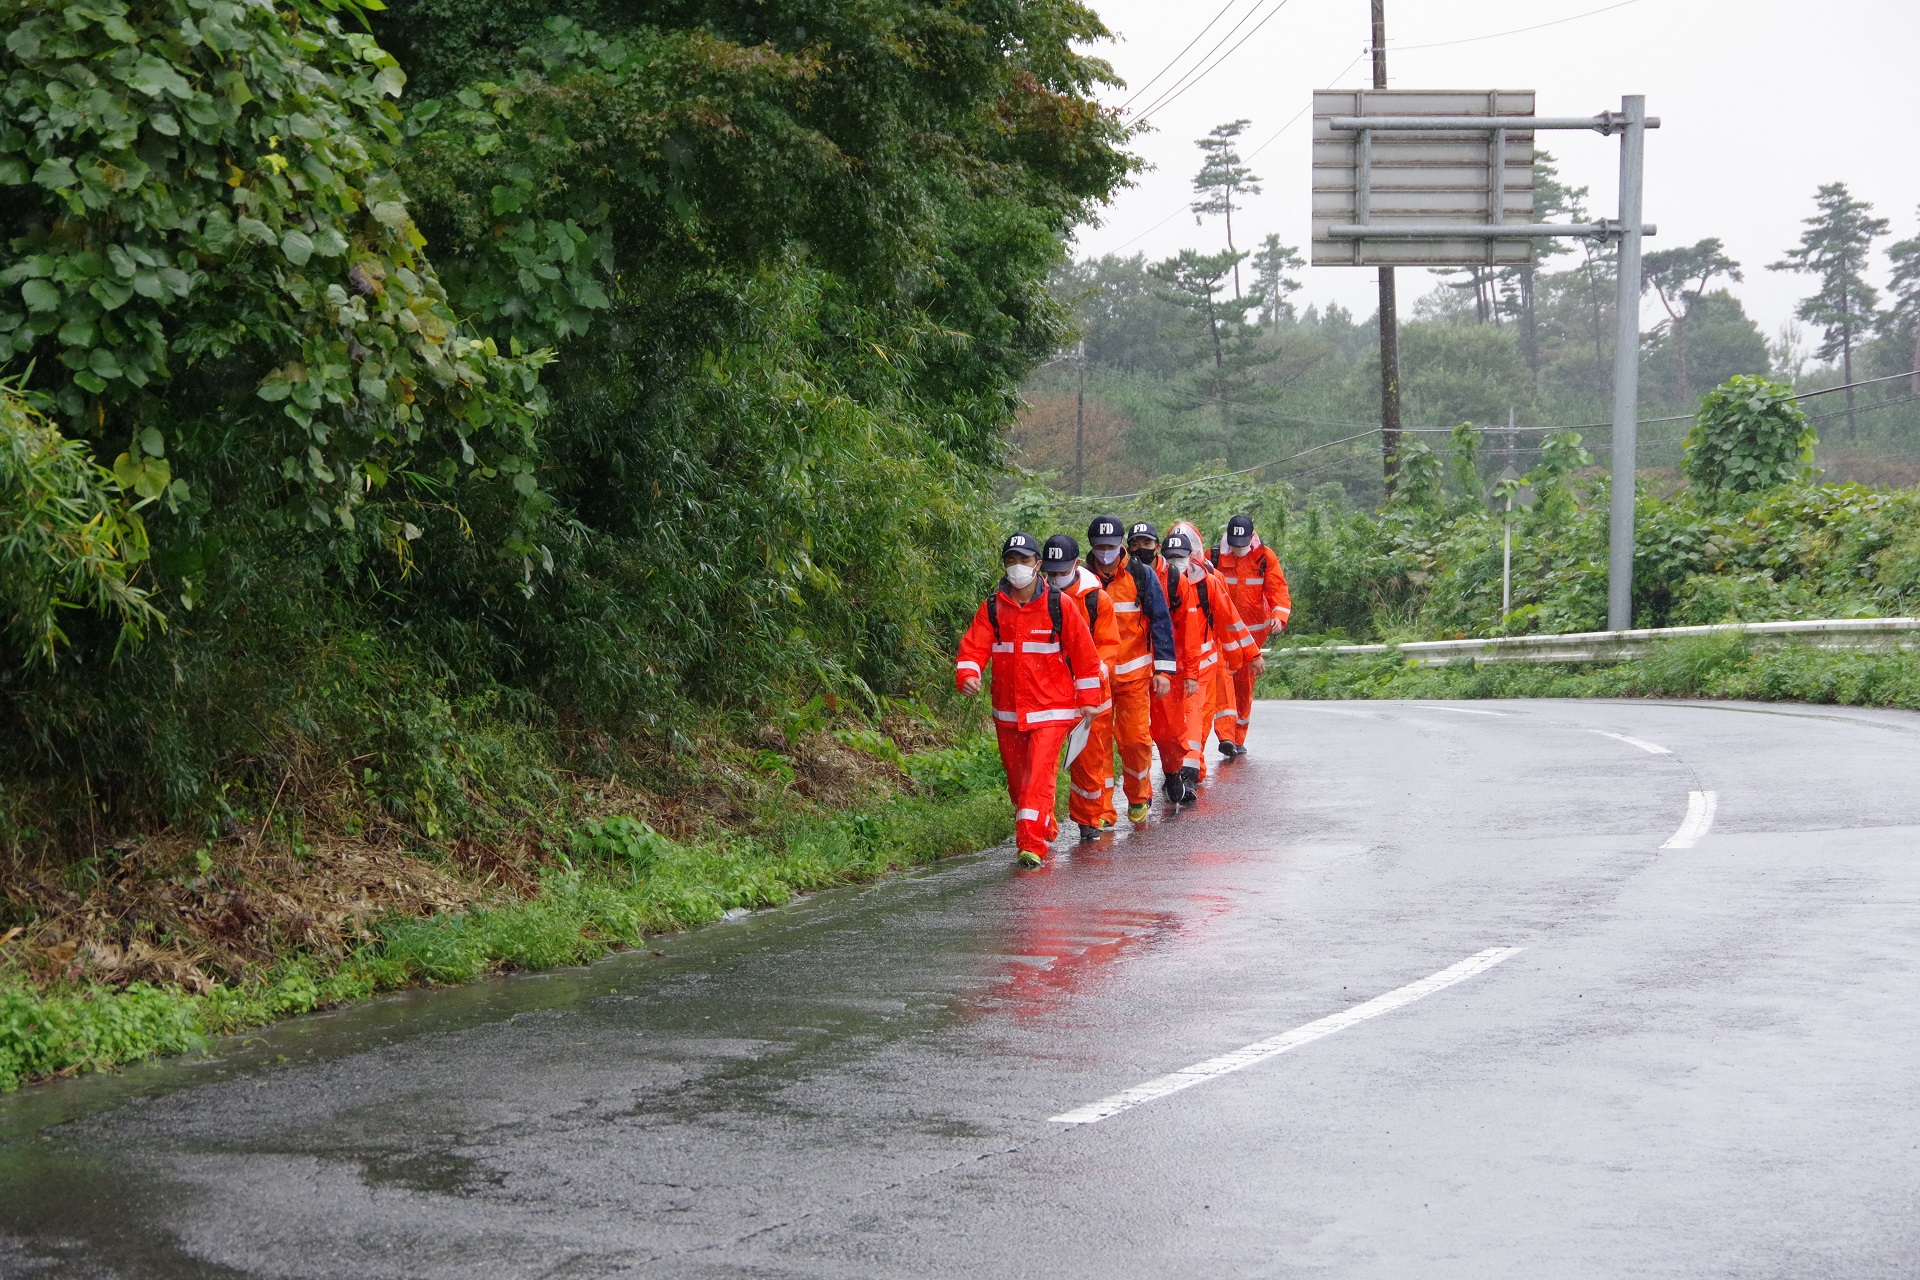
1206	601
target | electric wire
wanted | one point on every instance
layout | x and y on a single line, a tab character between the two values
1175	60
1495	35
1194	78
1494	430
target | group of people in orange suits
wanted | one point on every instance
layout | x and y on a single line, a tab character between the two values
1149	644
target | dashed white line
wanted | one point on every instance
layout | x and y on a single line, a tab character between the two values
1701	806
1273	1046
1641	743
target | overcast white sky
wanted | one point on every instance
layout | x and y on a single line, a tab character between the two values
1746	91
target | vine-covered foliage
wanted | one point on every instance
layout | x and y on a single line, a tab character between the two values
1750	434
647	362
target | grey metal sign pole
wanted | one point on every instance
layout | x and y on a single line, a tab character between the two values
1626	367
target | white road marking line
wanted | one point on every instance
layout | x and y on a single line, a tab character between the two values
1701	806
1273	1046
1641	743
1470	711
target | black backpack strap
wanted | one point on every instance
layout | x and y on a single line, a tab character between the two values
993	615
1206	605
1053	612
1093	609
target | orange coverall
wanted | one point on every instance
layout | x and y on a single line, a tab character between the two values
1090	776
1041	676
1132	675
1259	588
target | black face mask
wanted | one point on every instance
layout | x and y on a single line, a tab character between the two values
1145	555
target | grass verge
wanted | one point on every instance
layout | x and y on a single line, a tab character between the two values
1718	666
616	882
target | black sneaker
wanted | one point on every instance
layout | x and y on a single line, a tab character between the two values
1190	785
1227	750
1090	833
1175	788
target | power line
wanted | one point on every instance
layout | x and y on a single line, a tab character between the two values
1493	430
1495	35
1192	79
1175	61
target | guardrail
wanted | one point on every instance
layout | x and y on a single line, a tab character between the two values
1613	646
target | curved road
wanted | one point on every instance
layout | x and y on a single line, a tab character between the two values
1694	1060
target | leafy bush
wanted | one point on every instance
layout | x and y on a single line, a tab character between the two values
1749	435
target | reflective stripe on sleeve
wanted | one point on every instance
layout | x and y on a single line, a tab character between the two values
1134	665
1030	647
1005	715
1280	608
1166	666
1091	682
969	666
1058	713
1207	647
1126	606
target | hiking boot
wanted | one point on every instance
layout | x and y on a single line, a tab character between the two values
1190	785
1137	813
1090	833
1028	858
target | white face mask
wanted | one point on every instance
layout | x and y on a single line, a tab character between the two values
1062	580
1177	565
1107	555
1020	576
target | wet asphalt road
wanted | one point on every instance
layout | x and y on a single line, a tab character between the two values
1705	1061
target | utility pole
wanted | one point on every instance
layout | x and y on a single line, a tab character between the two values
1389	307
1080	423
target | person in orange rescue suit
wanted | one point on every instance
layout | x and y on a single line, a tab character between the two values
1258	586
1167	714
1200	618
1090	769
1236	643
1046	679
1143	668
1233	644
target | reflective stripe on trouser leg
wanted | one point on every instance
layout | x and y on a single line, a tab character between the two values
1090	801
1032	760
1243	681
1133	729
1199	724
1170	727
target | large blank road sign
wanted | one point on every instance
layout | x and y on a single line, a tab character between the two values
1408	180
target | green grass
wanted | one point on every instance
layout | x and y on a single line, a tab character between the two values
619	883
1721	666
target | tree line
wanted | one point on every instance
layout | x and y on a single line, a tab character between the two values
1205	358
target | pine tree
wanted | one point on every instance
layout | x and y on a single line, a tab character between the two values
1904	289
1222	181
1273	265
1834	248
1222	364
1679	278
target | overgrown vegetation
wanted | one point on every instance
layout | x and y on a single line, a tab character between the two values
432	429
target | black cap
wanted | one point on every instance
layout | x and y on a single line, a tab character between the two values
1142	529
1177	544
1060	554
1021	542
1106	531
1239	531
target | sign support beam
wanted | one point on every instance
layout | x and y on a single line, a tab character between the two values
1626	366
